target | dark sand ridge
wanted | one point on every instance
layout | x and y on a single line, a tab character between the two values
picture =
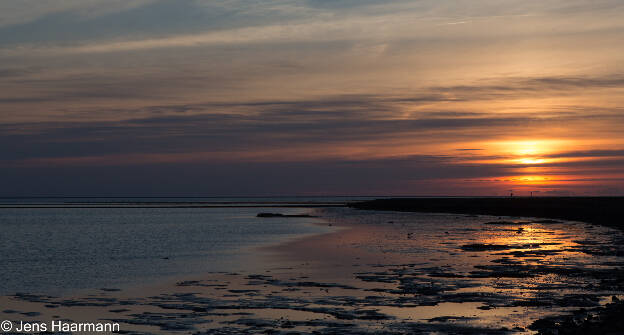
606	211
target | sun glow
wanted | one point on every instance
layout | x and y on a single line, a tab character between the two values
531	161
527	148
532	152
532	148
530	164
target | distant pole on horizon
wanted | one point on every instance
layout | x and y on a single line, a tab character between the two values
511	193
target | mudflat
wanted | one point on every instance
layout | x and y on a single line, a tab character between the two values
388	272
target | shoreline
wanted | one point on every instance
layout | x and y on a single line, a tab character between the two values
593	210
366	276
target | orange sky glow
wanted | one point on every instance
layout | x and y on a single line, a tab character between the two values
306	97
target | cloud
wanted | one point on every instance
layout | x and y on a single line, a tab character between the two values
496	88
143	23
587	153
237	135
21	12
409	175
376	87
148	25
353	125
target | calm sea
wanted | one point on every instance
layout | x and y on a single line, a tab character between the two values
60	245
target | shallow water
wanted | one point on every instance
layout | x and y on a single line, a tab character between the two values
60	250
438	273
515	270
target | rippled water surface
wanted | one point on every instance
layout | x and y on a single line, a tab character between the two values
58	250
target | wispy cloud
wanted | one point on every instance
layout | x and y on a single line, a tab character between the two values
147	25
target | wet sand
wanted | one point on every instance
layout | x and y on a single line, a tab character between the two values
605	211
396	273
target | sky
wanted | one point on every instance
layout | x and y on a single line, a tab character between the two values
311	97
